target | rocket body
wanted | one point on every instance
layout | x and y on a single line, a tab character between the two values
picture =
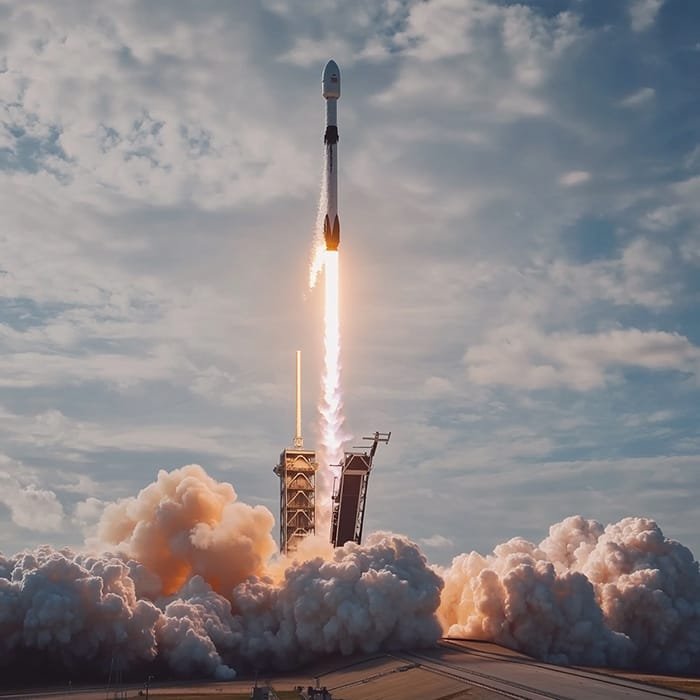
331	92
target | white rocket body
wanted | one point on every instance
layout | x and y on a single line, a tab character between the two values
330	83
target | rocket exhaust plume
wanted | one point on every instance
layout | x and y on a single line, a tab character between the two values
331	408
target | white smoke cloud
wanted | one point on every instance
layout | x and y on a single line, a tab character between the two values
193	586
187	523
621	595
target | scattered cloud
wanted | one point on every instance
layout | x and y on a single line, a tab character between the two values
438	541
31	507
639	98
87	513
159	179
523	357
574	177
480	54
643	13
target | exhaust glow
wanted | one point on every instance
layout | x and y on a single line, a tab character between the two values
331	408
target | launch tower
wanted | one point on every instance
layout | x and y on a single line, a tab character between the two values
350	493
297	472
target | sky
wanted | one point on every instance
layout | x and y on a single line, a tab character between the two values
520	203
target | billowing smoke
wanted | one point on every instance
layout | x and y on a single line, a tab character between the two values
191	586
187	523
621	595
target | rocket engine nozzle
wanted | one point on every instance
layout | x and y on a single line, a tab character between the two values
331	235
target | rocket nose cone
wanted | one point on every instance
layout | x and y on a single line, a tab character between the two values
330	82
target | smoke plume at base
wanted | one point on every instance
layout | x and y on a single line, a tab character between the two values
622	595
206	596
192	588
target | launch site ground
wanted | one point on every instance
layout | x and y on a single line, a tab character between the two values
454	670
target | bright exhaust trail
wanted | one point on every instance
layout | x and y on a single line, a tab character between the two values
331	408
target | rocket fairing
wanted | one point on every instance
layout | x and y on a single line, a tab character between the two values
330	83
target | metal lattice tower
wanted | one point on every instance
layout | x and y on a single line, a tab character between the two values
297	472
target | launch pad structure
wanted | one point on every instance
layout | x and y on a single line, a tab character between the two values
350	493
297	473
297	469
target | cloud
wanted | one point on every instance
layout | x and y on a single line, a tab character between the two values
574	177
309	52
72	439
134	135
643	13
522	357
495	58
438	541
639	276
160	178
639	98
690	250
87	513
31	507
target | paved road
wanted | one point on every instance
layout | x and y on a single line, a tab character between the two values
479	670
515	676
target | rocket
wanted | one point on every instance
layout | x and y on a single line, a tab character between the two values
330	83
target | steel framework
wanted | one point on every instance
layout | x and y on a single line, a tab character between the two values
350	493
297	473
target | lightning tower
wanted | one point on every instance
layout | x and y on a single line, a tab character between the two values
297	472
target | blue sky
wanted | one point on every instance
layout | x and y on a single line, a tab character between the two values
519	191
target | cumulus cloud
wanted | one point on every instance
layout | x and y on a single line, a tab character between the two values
480	53
524	357
643	13
574	177
309	52
86	513
436	540
638	276
690	250
31	507
639	98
